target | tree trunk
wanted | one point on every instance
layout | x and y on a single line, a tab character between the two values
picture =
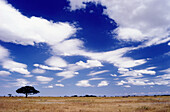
26	95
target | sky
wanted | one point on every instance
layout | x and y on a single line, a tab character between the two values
79	47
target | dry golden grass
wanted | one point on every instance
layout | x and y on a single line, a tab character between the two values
85	104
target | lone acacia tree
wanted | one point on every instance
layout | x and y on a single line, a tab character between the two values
27	90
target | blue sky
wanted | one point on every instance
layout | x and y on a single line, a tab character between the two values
99	47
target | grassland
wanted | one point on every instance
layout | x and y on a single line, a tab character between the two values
85	104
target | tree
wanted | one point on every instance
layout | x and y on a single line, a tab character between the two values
9	95
27	90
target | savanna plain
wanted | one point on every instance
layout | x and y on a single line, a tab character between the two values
85	104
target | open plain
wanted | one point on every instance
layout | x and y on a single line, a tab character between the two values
85	104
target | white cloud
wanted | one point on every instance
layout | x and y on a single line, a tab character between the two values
89	64
138	20
166	70
127	86
4	73
121	83
168	53
150	68
84	83
59	85
67	74
96	78
132	73
165	76
44	80
56	62
50	86
116	79
38	71
28	75
72	69
116	58
136	81
99	72
35	30
129	34
113	75
71	47
4	53
123	70
47	67
162	82
145	71
15	67
136	73
103	83
30	30
11	65
57	35
21	82
169	43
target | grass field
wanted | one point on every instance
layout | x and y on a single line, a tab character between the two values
85	104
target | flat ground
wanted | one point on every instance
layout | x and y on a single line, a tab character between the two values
85	104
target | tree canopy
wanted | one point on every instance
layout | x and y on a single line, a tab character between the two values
27	90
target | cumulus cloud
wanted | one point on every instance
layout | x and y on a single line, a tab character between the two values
59	85
56	37
98	72
71	47
166	70
138	20
44	80
90	63
116	57
66	74
136	81
84	83
162	82
169	43
30	30
4	53
50	86
15	67
4	73
136	73
11	65
47	67
145	71
28	75
71	69
150	68
96	78
159	80
129	34
113	75
121	82
21	82
34	30
56	62
38	71
166	76
127	86
103	83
